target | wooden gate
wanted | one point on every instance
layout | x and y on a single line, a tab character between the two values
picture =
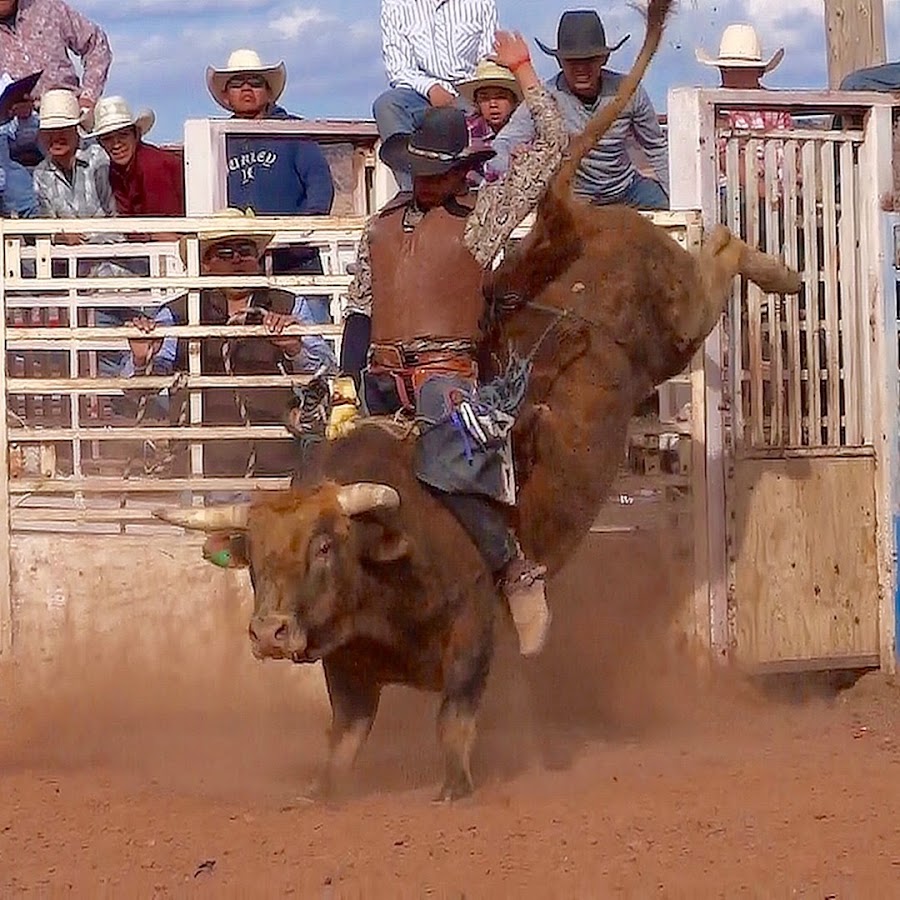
796	436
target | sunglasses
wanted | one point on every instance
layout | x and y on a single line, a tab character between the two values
238	81
227	252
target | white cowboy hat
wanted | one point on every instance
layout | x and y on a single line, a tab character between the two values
489	74
244	61
740	48
60	109
113	113
211	235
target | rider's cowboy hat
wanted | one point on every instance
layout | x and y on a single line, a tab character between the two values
489	74
210	235
60	109
439	144
740	48
243	62
580	35
113	113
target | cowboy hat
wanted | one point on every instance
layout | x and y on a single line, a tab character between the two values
489	74
439	144
580	35
60	109
740	48
113	113
244	62
210	235
13	92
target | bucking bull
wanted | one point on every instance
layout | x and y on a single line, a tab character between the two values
359	566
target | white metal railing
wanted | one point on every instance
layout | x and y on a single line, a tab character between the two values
80	459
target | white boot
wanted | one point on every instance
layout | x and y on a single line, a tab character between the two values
524	589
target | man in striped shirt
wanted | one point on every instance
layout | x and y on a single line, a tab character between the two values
428	46
607	174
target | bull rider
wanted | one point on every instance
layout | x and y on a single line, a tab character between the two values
412	322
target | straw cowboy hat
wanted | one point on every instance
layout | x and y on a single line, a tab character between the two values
243	62
113	113
439	144
489	74
60	109
740	47
211	235
580	35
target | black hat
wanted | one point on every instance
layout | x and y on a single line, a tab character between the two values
439	144
14	92
580	35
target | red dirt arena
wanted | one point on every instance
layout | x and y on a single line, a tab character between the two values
134	768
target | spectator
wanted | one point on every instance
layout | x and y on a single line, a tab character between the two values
40	35
269	174
146	180
427	48
17	187
73	181
741	67
494	93
884	78
225	253
582	87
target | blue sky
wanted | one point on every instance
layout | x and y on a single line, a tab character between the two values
332	49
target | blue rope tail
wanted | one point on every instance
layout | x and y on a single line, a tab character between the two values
506	393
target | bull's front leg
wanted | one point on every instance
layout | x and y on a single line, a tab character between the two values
468	659
354	702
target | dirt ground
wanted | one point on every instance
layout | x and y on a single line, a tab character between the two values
605	768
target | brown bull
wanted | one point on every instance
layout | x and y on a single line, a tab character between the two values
386	591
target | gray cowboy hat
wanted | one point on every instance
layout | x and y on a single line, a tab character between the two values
439	144
580	35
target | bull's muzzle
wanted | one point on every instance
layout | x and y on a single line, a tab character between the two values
277	637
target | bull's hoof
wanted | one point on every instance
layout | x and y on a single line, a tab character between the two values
457	789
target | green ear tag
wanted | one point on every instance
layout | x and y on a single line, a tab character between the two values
221	558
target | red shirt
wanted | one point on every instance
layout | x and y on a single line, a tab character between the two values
152	184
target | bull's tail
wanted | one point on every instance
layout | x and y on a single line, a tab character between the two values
724	255
657	13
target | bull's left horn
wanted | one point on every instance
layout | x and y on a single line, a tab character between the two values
210	518
356	499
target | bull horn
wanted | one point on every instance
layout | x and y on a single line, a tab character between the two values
364	496
211	518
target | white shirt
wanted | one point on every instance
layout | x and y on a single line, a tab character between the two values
429	42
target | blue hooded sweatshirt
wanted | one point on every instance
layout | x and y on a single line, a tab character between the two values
278	175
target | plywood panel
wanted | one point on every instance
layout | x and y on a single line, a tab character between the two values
806	578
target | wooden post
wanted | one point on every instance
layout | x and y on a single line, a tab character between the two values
854	33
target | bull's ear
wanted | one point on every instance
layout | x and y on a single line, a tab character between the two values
228	550
383	545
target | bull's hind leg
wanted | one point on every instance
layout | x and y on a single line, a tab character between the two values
465	676
354	703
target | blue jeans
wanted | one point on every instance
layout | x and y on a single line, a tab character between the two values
399	111
876	78
642	193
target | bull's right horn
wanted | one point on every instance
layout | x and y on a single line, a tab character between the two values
210	518
364	496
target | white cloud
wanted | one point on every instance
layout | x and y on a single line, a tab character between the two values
297	20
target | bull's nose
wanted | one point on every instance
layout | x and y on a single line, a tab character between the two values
270	634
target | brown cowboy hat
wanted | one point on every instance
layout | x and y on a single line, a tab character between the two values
439	144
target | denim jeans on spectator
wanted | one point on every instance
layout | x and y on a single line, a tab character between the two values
876	78
399	111
642	193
